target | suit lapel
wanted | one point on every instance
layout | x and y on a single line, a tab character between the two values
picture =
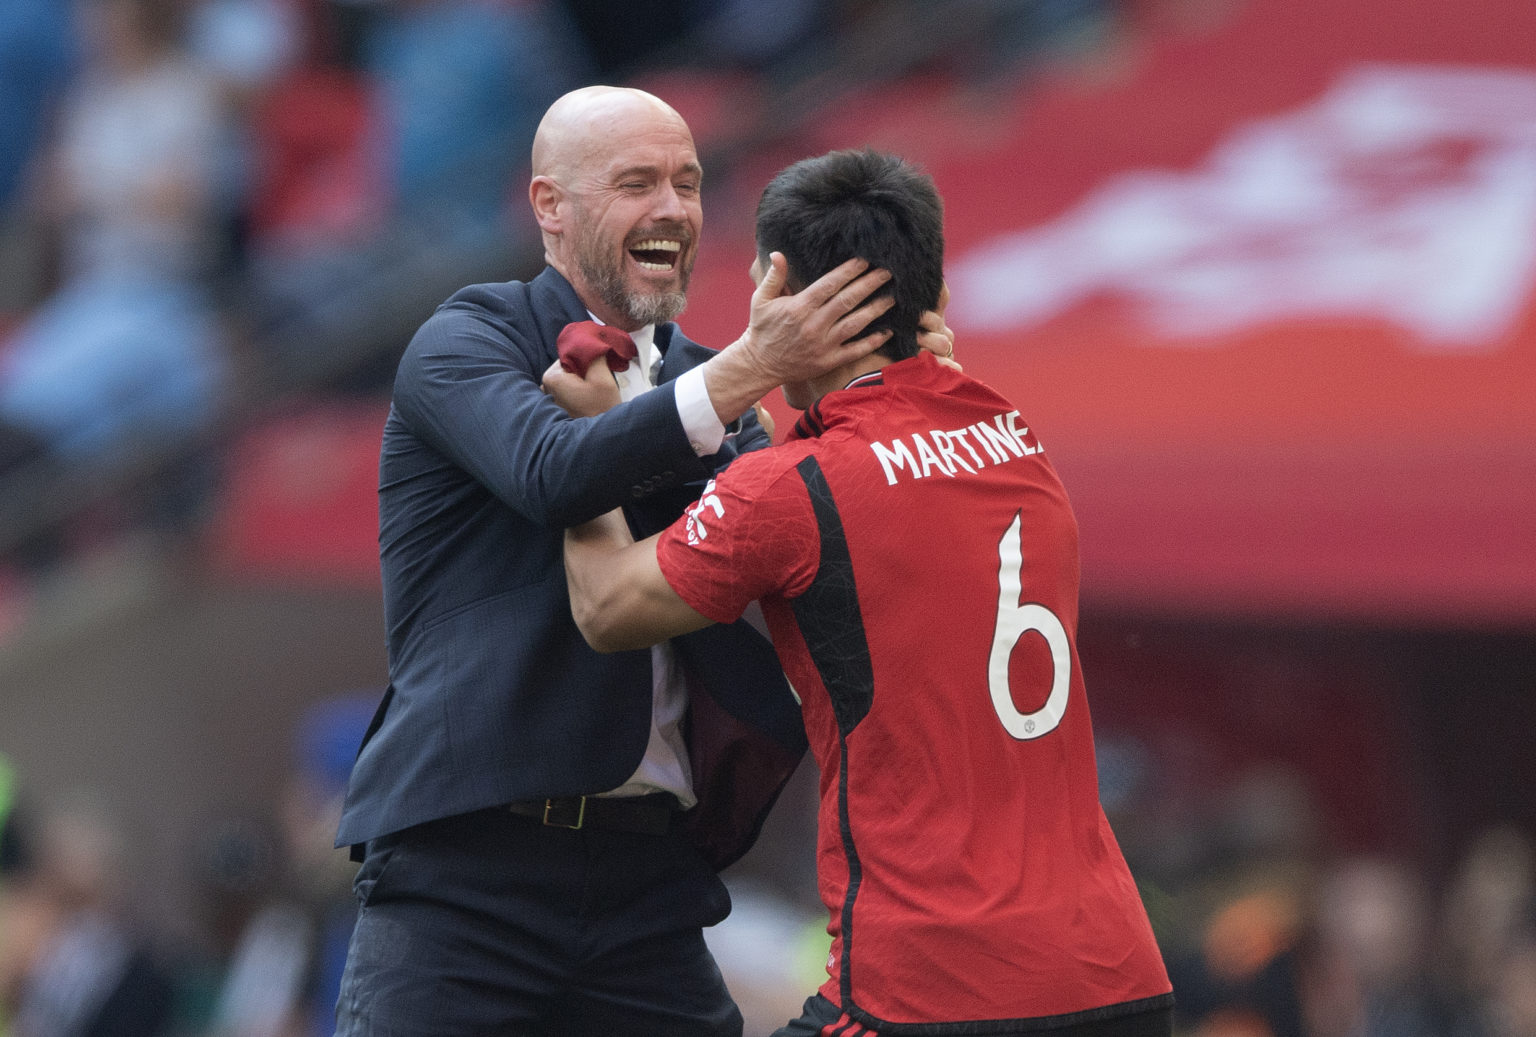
555	304
678	352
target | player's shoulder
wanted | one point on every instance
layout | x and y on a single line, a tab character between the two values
956	397
760	470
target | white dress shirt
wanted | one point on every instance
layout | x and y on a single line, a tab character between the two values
664	768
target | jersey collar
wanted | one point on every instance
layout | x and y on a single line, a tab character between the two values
812	423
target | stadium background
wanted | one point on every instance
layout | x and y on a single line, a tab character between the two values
1259	273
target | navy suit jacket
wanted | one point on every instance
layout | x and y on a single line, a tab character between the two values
494	696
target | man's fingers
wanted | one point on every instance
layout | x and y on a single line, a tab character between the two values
764	418
774	278
933	334
854	349
851	281
855	322
860	299
582	396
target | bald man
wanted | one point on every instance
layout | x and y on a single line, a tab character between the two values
540	826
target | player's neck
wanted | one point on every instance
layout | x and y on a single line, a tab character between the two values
839	378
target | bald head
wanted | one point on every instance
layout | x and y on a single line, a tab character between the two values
615	190
583	124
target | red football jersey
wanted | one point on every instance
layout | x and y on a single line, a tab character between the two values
916	559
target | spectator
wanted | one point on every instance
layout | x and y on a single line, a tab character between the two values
743	32
279	895
1246	910
84	971
1514	1006
1368	975
14	850
462	84
328	737
622	37
34	59
21	925
248	47
35	54
127	349
1489	959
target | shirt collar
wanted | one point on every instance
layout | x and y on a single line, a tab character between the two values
645	343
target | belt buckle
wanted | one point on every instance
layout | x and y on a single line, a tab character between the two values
581	814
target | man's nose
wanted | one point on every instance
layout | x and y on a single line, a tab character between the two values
668	204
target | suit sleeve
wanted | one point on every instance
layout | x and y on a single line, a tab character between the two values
468	386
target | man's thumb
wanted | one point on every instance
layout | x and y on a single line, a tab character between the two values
772	284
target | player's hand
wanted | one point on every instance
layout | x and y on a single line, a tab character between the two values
582	396
799	336
935	336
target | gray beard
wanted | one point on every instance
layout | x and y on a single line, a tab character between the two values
655	309
642	309
606	281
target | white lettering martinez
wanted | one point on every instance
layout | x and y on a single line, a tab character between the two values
919	455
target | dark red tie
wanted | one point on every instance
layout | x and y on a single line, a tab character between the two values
581	343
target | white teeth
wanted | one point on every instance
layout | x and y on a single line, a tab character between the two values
655	245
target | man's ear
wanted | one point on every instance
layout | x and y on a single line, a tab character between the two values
547	200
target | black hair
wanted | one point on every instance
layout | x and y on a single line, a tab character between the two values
880	208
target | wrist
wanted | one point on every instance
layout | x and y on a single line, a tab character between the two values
735	379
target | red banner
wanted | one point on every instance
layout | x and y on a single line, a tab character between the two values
1266	291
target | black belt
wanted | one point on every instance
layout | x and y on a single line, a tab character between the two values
644	815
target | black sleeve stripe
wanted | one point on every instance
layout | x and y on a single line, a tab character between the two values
828	612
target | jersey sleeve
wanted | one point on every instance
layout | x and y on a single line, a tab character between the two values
751	535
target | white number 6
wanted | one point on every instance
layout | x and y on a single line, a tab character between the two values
1013	621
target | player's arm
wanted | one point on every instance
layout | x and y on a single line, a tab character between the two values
619	598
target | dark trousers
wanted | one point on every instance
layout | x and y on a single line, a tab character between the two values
492	923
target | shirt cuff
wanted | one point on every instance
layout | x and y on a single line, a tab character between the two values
700	422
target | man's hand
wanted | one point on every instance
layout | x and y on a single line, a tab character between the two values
797	337
582	396
935	336
765	419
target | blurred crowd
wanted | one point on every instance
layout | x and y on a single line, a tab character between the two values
208	204
1268	931
262	957
205	204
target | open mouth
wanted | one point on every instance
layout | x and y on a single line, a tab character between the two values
657	253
